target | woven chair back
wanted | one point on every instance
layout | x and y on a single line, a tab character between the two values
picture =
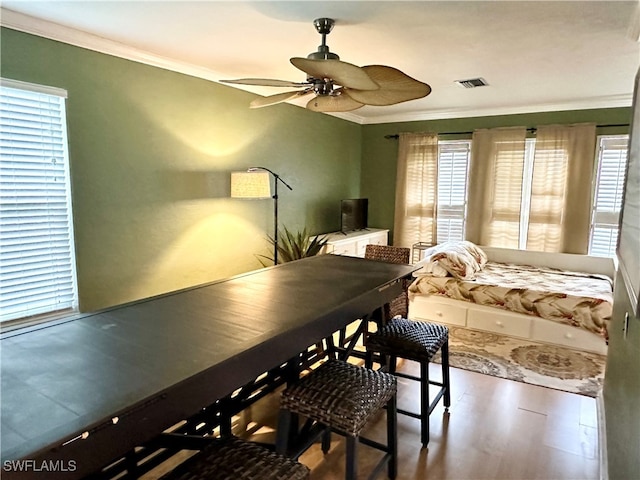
398	255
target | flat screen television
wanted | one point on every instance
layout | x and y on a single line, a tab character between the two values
354	213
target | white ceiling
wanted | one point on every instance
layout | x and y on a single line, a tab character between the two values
536	55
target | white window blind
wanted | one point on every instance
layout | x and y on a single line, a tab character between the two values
507	208
546	197
37	264
611	164
453	162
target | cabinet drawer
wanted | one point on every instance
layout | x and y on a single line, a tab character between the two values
362	247
353	244
498	322
347	248
552	332
378	238
437	312
374	239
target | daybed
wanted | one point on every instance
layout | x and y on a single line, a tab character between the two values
562	299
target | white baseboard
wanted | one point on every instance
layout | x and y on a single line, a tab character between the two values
602	437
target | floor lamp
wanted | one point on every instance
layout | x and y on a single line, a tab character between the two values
255	183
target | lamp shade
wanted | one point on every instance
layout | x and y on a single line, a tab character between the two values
250	185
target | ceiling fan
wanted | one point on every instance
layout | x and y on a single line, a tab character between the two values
339	86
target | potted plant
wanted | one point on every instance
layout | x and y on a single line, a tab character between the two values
294	246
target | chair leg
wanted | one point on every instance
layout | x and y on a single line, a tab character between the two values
283	431
351	465
225	418
392	437
368	359
445	374
326	441
391	363
424	403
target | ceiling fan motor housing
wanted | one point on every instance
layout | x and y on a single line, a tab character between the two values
323	53
322	86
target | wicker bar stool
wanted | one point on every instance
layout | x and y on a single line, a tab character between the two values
400	337
341	397
234	459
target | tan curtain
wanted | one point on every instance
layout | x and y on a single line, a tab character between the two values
416	189
560	209
495	187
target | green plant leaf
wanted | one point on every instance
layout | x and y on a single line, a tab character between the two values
294	245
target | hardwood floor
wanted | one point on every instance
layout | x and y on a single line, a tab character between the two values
495	429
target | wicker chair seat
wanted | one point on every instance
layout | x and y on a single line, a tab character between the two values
410	339
235	459
340	395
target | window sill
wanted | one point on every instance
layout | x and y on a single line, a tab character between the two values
23	325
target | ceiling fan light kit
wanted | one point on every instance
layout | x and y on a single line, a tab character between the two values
340	86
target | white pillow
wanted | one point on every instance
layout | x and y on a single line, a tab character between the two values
430	268
457	261
476	252
460	259
426	254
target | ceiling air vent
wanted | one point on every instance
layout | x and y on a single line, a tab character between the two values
472	82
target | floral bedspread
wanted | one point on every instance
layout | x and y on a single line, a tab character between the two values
572	298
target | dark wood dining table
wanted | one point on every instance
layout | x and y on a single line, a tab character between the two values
78	393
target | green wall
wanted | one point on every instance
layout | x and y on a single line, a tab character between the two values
151	153
379	154
622	389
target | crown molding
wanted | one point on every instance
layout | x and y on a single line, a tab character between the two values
610	101
53	31
78	38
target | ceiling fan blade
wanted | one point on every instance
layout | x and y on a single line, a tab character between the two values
266	82
338	102
343	73
277	98
395	87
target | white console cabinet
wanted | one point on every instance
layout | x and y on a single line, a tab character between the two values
354	244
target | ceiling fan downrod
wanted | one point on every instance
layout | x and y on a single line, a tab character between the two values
323	27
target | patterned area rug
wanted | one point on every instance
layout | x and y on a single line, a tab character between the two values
524	361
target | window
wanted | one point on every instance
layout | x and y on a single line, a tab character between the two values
37	262
453	161
611	164
541	194
531	189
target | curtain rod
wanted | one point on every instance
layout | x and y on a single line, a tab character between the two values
531	130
